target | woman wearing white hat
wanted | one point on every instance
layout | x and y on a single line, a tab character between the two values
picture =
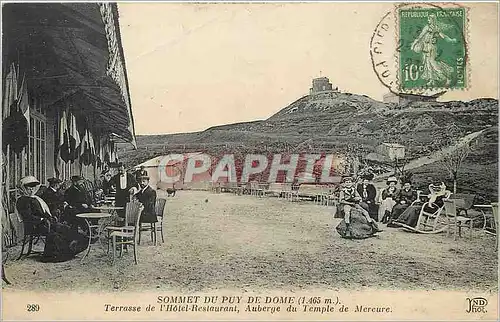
61	244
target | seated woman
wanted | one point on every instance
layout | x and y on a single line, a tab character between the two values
388	197
404	199
368	192
357	223
61	243
436	194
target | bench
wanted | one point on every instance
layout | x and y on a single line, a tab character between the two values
279	189
313	192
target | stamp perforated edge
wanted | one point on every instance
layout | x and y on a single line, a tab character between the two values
466	35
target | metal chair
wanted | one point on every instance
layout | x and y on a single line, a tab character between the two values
494	207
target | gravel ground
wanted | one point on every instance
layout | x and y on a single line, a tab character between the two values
223	241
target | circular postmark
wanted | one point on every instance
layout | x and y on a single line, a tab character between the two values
421	49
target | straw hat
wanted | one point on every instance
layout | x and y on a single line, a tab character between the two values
391	179
30	181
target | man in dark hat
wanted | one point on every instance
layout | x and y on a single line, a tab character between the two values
126	186
147	196
54	198
141	172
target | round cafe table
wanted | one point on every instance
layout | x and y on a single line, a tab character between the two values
110	209
93	229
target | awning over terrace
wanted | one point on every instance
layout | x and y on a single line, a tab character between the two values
72	53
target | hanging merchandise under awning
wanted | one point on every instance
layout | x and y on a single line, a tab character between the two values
72	53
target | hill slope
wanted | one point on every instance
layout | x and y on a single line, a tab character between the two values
333	122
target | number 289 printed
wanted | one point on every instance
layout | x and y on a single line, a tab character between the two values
32	307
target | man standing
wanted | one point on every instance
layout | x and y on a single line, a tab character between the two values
126	186
141	172
54	198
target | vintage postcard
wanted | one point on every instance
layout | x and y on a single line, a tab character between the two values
249	161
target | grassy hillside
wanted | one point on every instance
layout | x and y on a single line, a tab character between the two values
335	122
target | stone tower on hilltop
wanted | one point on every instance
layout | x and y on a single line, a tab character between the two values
321	84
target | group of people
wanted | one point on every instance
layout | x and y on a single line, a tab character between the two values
396	207
53	212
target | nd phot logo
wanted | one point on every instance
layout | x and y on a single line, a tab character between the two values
476	305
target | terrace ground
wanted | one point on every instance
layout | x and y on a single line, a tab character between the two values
224	241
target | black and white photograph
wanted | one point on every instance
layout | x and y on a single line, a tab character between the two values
249	160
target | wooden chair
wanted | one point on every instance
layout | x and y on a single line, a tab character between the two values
430	223
160	211
128	235
464	202
215	187
5	254
457	222
130	209
256	189
30	236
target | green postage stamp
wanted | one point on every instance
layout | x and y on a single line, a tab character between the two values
432	48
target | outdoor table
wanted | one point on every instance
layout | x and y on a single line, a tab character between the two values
110	209
93	215
483	209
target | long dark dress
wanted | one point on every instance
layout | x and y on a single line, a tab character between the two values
409	217
403	201
360	228
61	243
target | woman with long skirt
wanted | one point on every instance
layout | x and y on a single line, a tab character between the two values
61	243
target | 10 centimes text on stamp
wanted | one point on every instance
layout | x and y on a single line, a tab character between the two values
422	49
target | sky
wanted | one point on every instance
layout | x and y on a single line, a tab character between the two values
192	66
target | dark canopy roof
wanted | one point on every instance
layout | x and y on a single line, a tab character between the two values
63	49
